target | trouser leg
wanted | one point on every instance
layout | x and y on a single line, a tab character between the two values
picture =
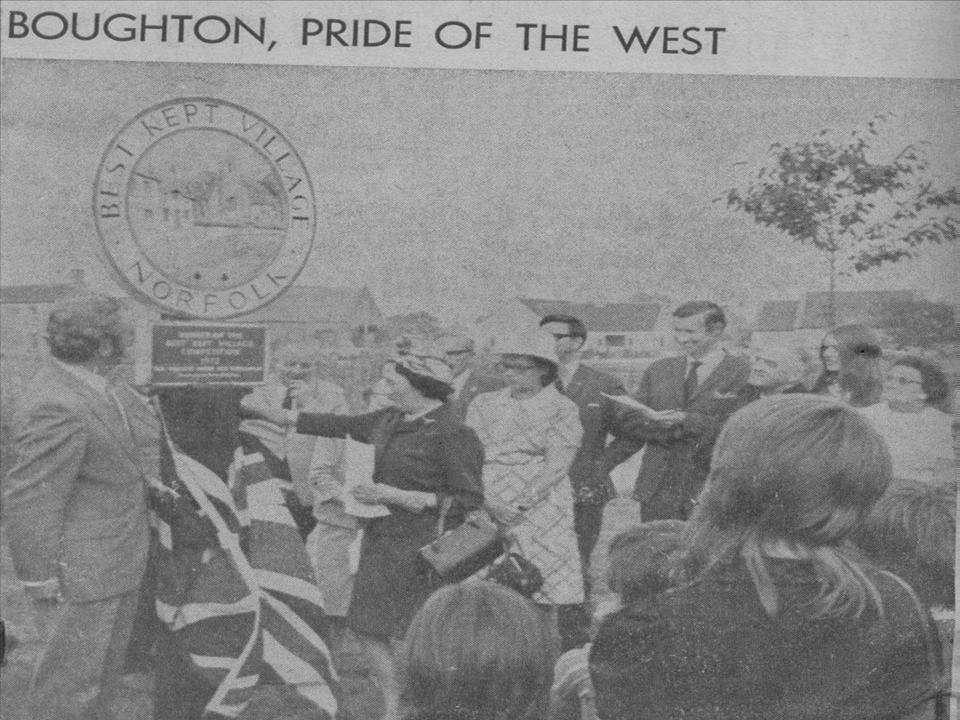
181	692
77	673
378	654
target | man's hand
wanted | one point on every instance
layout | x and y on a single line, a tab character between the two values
256	406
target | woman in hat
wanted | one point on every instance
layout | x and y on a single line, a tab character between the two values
422	456
530	434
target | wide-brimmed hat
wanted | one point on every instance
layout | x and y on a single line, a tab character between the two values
535	343
428	366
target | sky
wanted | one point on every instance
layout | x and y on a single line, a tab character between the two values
451	191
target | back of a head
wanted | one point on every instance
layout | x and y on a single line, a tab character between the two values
78	324
639	559
476	651
912	531
799	469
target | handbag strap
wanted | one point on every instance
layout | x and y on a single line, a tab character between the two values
931	645
445	506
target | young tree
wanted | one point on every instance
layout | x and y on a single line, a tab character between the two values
859	211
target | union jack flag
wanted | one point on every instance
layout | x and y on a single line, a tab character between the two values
235	584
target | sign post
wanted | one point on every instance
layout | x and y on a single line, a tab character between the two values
184	353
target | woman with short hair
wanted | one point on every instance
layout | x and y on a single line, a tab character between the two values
778	617
912	418
423	455
476	651
530	434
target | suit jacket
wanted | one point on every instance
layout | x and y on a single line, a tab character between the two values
477	383
590	472
676	460
75	501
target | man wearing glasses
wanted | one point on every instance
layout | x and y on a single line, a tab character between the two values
468	380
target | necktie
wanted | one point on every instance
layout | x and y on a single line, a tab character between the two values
558	383
288	400
690	382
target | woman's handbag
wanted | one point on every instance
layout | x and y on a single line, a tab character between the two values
457	554
517	573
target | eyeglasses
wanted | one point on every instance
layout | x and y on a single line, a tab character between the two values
505	365
457	352
562	336
901	380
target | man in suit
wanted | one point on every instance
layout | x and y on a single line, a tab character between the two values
468	381
589	472
691	395
75	511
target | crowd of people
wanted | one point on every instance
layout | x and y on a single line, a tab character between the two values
794	541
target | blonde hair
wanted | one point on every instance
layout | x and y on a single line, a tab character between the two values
795	470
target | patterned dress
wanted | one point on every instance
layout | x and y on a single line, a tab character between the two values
516	436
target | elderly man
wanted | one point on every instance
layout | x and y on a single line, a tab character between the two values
468	382
293	384
776	369
75	510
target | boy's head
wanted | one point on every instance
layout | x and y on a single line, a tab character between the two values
911	531
639	560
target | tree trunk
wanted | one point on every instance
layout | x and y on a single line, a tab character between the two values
832	295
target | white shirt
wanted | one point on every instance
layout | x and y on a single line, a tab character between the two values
708	363
566	372
917	441
459	382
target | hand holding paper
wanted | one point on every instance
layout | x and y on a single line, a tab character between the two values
660	417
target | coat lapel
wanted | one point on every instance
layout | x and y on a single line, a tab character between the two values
715	379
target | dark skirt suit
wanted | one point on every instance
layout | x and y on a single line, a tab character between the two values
434	453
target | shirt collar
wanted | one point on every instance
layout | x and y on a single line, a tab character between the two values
566	372
708	363
460	381
87	377
422	413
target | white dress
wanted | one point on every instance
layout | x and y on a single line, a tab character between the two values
516	436
918	442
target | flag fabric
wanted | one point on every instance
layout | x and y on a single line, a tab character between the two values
235	584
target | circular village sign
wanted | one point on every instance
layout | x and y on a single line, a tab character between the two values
204	208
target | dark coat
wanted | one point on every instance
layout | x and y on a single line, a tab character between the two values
708	651
589	472
676	460
435	454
